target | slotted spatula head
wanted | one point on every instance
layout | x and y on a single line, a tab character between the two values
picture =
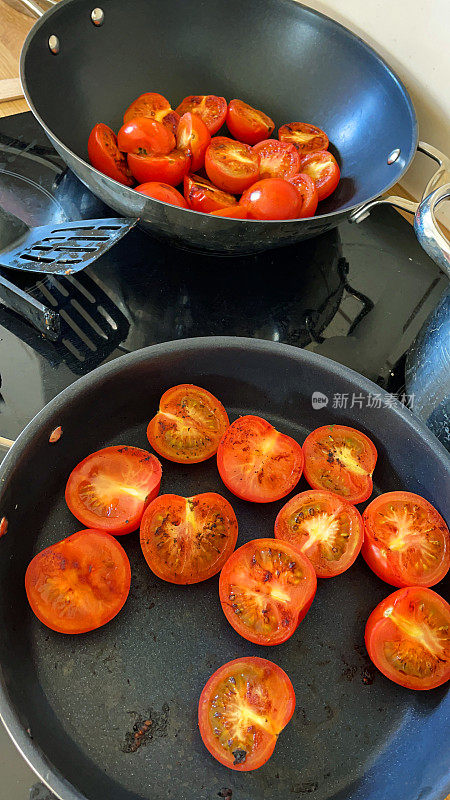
61	249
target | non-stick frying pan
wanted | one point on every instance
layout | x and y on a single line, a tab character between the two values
70	702
81	65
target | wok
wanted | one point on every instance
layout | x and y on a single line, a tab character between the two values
70	702
82	65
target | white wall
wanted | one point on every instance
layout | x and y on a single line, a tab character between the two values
414	38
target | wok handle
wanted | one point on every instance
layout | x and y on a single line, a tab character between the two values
426	228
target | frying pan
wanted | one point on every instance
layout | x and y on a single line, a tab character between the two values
81	65
70	702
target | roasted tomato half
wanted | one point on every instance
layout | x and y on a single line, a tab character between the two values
193	138
189	424
145	136
272	198
258	463
247	124
164	192
266	587
188	539
231	165
210	108
309	195
105	155
340	459
110	489
408	638
202	195
306	138
323	168
277	159
327	529
169	169
406	541
80	583
243	708
156	106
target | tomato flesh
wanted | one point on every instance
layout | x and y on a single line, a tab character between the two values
408	638
272	198
169	169
105	155
266	587
243	708
154	106
247	124
406	541
80	583
232	166
277	159
323	168
189	424
327	529
162	191
209	107
193	137
306	138
202	195
145	136
233	212
188	539
258	463
308	194
110	488
341	460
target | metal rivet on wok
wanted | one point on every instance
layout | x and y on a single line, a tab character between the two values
393	156
98	16
53	43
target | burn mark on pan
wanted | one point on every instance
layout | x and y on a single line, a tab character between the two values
146	727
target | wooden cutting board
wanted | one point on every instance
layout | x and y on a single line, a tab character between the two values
14	27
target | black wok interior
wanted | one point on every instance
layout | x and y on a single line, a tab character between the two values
354	734
288	60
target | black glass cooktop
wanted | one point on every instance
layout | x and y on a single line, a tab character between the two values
358	294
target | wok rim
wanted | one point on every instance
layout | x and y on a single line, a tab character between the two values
30	751
110	182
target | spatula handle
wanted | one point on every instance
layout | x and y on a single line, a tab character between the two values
43	318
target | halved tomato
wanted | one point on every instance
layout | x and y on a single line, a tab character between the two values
406	541
306	138
272	198
258	463
235	212
277	159
80	583
342	460
193	137
408	638
323	168
327	529
231	165
145	136
110	488
105	155
165	169
156	106
266	588
162	191
243	708
188	539
209	107
189	424
308	194
202	195
247	124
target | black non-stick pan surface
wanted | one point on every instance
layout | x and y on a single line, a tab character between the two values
71	702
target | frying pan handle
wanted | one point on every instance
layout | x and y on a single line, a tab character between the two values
426	227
